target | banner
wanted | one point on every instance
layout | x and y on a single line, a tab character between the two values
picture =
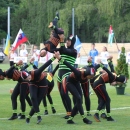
17	59
77	61
103	59
83	60
42	60
128	57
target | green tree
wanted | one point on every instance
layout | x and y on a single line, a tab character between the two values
92	18
122	66
3	14
122	69
3	18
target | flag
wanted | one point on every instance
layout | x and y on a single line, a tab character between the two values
20	38
77	45
7	46
111	35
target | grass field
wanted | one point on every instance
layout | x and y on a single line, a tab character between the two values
120	105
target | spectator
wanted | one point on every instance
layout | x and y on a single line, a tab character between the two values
119	51
23	52
105	54
93	52
36	54
11	56
77	60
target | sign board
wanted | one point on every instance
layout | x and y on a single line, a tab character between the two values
42	60
128	60
83	60
128	57
77	61
17	59
103	59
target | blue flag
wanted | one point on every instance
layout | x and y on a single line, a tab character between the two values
77	45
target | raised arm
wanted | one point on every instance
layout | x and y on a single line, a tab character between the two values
55	20
111	66
34	66
96	67
15	66
117	47
10	70
112	77
55	69
44	66
32	63
24	67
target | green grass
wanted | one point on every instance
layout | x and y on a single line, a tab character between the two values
56	122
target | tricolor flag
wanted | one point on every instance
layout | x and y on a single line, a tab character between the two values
77	45
111	35
7	46
20	38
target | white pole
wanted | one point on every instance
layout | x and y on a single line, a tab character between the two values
73	21
8	21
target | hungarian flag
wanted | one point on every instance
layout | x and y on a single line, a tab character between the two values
20	38
111	35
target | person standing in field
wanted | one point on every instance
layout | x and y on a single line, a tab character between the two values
93	53
36	54
105	54
23	52
11	56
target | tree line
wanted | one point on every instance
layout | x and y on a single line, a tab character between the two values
92	19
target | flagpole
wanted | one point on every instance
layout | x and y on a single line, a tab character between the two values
7	46
28	42
116	44
73	21
115	39
84	50
8	22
